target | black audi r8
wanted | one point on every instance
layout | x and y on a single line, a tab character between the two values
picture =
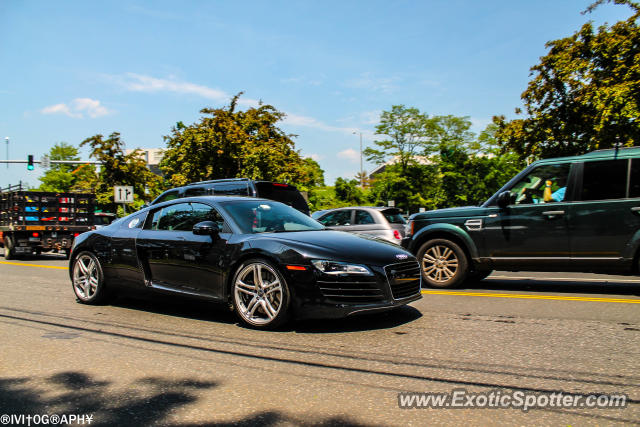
266	259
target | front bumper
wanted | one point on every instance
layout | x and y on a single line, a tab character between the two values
327	296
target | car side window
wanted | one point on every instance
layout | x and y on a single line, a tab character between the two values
173	218
336	218
544	184
604	180
135	221
202	212
363	217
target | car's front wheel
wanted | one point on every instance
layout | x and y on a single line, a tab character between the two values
443	263
88	279
260	294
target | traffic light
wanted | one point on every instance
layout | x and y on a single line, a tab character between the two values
30	162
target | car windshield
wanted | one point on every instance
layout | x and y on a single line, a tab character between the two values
264	216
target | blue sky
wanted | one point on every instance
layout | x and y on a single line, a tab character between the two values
70	70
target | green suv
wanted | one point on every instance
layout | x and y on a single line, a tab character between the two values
565	214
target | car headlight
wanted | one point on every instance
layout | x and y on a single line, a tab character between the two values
335	267
408	228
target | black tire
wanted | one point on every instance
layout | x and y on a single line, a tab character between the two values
443	263
88	282
264	305
8	249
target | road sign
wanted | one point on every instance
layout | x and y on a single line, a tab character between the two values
391	203
123	194
45	162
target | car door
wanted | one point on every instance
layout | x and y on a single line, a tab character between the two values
532	232
605	217
124	254
176	259
364	223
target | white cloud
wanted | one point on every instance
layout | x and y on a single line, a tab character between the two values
78	108
371	82
314	156
141	83
349	154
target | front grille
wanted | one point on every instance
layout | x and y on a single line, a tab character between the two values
351	289
404	279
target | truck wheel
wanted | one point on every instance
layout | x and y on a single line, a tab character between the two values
8	249
443	263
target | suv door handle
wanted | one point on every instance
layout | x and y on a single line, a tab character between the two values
552	214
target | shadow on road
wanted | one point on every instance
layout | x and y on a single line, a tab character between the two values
555	286
146	401
217	312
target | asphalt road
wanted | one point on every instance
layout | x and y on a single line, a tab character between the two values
175	362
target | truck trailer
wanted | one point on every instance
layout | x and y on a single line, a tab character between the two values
32	222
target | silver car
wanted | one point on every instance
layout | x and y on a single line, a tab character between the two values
382	222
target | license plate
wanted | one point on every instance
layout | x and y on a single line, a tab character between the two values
34	239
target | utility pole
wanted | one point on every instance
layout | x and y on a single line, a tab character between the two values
361	168
6	138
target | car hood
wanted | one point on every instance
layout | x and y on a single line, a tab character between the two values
450	213
340	246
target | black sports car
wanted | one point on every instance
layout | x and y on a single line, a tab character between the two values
266	259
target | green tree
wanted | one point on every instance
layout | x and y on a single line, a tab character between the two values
226	143
60	177
408	133
119	168
349	192
584	94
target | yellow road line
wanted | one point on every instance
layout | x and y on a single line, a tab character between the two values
33	265
525	296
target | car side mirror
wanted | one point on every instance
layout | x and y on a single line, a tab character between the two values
206	228
504	199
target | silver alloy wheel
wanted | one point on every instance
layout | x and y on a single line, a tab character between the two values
258	293
440	263
85	277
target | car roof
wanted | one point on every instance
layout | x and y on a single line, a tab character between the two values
607	154
377	208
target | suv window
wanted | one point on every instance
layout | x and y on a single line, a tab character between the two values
287	194
171	195
544	184
604	180
363	217
231	189
195	191
336	218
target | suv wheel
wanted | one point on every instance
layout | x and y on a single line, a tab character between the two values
443	263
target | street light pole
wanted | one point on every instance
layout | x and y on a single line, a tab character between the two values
6	138
361	168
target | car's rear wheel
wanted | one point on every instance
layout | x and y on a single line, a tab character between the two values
443	263
88	279
260	294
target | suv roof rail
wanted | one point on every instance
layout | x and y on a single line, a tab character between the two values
217	180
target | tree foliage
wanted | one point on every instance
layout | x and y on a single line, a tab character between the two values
119	168
584	94
60	178
228	143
